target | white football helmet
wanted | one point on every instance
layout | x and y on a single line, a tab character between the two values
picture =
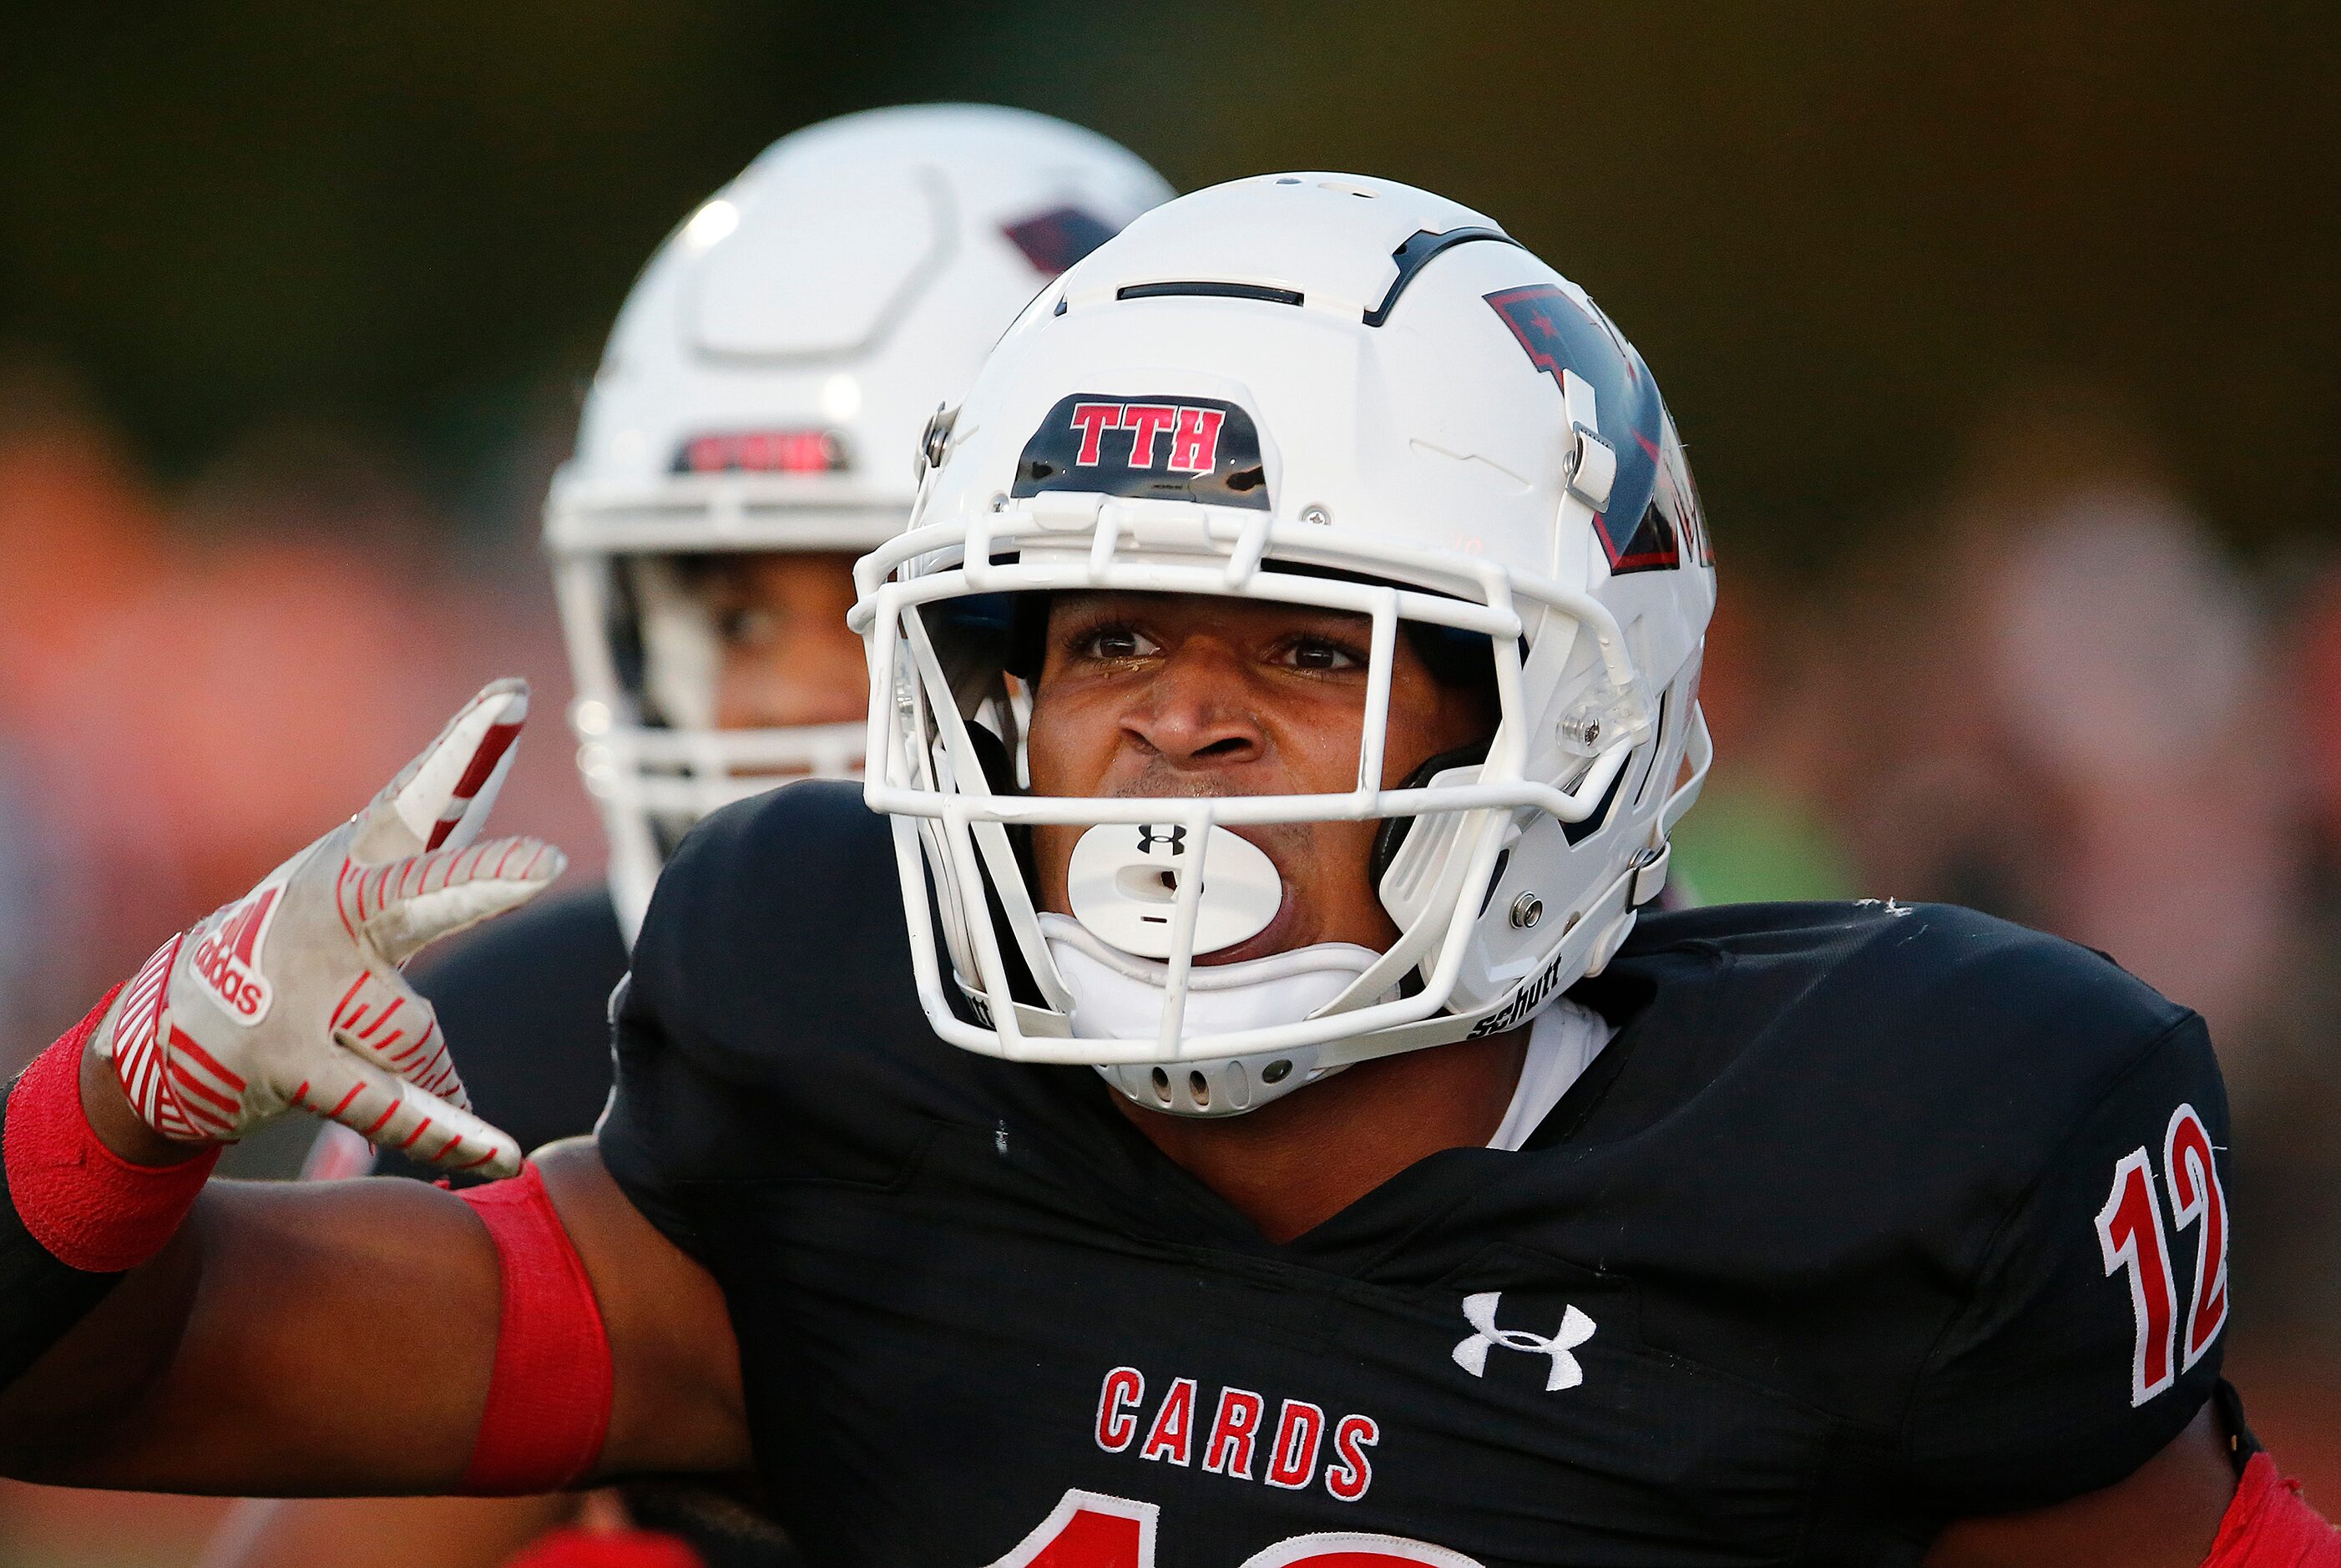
1328	391
765	388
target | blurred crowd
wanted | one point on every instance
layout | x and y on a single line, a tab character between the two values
2049	692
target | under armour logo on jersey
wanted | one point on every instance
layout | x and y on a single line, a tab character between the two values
1480	1312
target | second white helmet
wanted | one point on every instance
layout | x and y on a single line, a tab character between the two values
766	388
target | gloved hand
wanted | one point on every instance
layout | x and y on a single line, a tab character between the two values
291	997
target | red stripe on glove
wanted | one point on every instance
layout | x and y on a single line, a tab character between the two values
2268	1525
91	1208
492	746
549	1397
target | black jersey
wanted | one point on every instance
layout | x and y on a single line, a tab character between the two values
1867	1217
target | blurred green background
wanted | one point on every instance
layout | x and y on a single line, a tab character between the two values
1837	231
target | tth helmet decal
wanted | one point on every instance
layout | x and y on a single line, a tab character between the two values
1172	447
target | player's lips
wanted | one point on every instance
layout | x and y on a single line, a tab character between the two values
1273	937
1279	934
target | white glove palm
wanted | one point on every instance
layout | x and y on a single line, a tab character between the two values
291	997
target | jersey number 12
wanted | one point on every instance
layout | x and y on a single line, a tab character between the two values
2131	1234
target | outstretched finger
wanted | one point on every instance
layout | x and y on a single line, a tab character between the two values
444	795
389	1023
390	1113
407	904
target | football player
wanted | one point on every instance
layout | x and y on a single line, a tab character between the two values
751	430
1219	1095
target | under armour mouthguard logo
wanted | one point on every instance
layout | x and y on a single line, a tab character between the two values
1480	1312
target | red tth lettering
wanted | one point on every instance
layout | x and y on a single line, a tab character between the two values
1292	1455
1228	1450
1195	445
1145	420
1093	420
1117	1423
1172	1437
1351	1473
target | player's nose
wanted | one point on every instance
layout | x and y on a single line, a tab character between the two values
816	684
1194	710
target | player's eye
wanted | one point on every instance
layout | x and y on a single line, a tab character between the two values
1115	644
1324	655
746	626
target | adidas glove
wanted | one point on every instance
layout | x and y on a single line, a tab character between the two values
291	997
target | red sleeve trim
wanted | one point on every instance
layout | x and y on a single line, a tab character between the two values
2270	1526
548	1407
92	1209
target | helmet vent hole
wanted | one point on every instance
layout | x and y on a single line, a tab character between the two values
1162	1086
1276	1072
1200	1087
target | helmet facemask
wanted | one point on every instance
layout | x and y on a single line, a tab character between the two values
1158	883
647	651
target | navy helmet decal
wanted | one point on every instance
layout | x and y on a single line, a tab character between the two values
1641	530
1056	239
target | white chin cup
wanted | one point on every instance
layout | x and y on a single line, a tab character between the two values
1124	880
1119	996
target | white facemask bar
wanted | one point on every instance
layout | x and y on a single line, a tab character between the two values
1073	542
698	513
646	777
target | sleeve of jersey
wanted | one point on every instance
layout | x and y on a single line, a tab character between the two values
680	1117
2092	1335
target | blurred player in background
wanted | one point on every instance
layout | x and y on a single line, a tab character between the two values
752	429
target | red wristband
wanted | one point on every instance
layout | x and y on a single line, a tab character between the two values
2268	1525
549	1397
91	1208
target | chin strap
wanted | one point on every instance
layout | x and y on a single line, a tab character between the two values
1390	837
1121	996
